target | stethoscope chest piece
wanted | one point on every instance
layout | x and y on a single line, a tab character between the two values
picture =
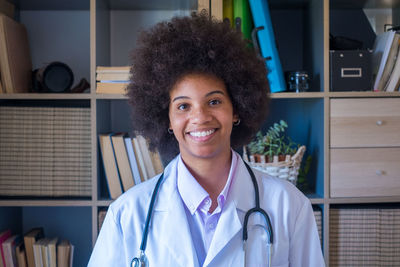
141	261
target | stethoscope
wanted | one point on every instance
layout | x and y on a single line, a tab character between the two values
142	260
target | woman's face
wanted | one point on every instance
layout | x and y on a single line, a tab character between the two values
201	116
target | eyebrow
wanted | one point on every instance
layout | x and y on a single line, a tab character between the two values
208	94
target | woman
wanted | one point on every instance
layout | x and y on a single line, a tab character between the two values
198	90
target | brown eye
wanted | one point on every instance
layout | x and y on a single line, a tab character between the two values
182	106
214	102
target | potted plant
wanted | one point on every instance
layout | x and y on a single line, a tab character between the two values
273	146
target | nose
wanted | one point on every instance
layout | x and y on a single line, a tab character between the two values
200	115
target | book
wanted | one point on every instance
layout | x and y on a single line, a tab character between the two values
111	88
65	254
9	247
394	79
266	39
390	63
7	8
52	252
217	9
15	58
228	11
101	216
38	252
242	17
203	5
156	160
110	165
21	255
122	160
113	76
3	237
381	48
139	156
132	159
29	239
113	69
144	149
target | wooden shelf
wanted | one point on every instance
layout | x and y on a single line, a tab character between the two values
46	203
37	96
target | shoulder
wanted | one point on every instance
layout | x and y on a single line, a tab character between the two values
281	193
135	201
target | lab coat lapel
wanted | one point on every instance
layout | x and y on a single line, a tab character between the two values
173	225
239	201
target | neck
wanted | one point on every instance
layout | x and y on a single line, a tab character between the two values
211	174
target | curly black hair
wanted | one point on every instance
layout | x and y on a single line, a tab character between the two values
194	44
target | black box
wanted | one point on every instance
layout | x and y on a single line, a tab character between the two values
350	70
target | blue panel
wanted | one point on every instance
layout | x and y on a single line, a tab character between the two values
305	118
10	218
72	223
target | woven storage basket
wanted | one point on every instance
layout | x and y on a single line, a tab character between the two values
288	169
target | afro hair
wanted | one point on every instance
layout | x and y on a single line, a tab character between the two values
194	44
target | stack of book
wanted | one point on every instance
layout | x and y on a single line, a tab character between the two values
386	62
15	58
364	237
45	151
127	161
112	80
34	250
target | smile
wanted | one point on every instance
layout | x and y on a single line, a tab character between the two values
202	133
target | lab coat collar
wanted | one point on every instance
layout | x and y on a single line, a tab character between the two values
242	189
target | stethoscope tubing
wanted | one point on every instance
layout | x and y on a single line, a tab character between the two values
141	260
257	208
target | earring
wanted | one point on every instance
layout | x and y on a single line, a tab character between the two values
236	123
170	131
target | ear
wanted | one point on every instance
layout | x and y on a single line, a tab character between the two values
235	118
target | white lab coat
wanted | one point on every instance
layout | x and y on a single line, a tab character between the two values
296	241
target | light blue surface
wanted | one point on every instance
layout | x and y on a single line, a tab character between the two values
266	38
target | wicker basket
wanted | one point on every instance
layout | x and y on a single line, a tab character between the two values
288	169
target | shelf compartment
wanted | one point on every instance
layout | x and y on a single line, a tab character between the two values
306	127
299	33
56	222
58	31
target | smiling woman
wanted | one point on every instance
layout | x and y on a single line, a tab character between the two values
197	90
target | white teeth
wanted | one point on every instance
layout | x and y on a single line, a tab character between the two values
201	134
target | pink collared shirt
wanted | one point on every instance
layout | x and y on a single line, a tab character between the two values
197	204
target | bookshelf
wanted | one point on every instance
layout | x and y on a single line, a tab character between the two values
89	33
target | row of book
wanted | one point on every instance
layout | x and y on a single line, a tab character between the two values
364	237
386	62
45	151
112	80
33	249
127	161
15	58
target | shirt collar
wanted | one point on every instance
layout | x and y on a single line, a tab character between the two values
192	193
